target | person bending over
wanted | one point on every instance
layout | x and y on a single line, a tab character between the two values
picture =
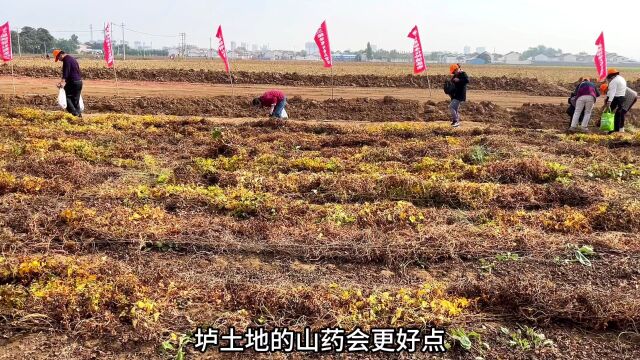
273	99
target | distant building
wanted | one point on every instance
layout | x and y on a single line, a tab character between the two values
254	47
480	50
311	48
467	50
569	58
477	61
233	46
542	58
244	45
513	58
454	59
345	57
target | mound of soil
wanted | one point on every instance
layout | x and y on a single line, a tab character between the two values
360	109
537	116
363	109
528	85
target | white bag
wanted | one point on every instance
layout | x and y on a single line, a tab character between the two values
284	115
81	104
62	99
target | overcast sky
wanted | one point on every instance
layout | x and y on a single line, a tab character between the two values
503	25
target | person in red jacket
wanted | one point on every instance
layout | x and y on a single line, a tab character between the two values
274	99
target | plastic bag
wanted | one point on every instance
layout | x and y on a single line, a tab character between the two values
607	121
62	99
81	104
284	115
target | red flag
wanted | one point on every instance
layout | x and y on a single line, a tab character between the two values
107	46
222	50
601	58
5	43
322	40
418	56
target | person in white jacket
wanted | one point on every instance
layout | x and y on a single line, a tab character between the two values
615	97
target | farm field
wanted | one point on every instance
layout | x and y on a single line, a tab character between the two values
105	88
551	74
123	233
176	206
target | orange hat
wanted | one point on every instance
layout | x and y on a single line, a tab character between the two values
453	68
613	71
604	88
56	53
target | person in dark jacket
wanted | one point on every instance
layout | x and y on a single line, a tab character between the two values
586	94
274	99
460	80
71	81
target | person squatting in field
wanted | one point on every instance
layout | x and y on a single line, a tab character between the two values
617	90
275	99
459	95
586	94
72	79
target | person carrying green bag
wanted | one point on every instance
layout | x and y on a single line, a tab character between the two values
615	98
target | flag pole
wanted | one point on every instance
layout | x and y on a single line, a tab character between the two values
332	81
429	84
115	73
13	80
231	82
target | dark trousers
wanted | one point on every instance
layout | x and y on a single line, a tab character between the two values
616	105
73	89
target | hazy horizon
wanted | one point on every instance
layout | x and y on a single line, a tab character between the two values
287	25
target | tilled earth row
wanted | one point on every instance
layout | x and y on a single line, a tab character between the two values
528	85
359	109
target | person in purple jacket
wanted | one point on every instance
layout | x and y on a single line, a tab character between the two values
72	79
586	95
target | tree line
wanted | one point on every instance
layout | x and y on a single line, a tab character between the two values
40	41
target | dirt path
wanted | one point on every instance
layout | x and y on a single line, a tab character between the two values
29	86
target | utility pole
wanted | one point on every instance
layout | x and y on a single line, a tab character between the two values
19	50
183	44
210	49
124	51
91	31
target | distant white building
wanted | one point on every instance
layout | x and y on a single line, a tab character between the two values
569	58
513	58
481	49
233	46
197	53
467	50
311	48
454	60
545	58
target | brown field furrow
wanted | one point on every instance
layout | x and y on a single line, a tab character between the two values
527	85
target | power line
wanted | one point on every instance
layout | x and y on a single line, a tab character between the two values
69	31
148	34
